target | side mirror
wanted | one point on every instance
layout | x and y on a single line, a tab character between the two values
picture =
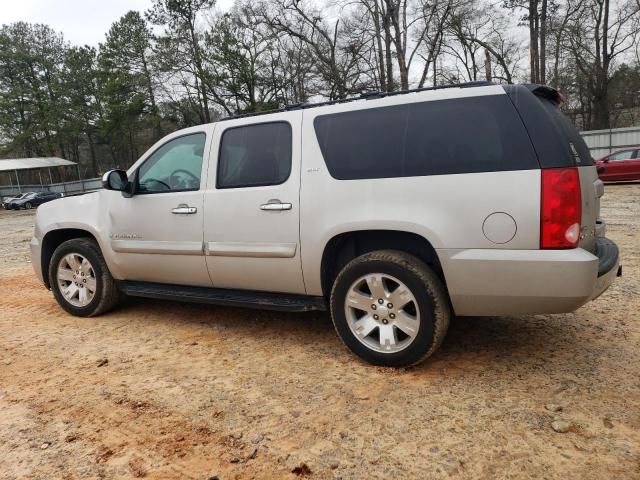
600	169
117	180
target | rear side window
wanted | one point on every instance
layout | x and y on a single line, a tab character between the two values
473	134
255	155
555	139
579	150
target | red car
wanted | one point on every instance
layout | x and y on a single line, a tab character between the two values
620	165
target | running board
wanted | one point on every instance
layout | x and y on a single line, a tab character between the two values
221	296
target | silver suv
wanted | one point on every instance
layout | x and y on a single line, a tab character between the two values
393	211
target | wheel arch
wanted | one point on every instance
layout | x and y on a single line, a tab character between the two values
53	239
345	246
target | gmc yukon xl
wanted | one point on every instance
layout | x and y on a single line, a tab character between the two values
393	211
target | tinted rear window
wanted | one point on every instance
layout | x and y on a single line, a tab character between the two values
473	134
555	139
579	150
255	155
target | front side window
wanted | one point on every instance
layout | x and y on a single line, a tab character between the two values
621	156
174	167
255	155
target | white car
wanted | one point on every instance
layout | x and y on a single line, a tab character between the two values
393	211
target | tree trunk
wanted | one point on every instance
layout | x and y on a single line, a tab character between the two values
378	34
487	64
155	114
387	49
533	41
200	70
601	112
92	151
600	95
543	42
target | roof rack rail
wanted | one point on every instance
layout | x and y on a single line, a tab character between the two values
367	95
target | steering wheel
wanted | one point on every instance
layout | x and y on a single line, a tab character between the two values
187	172
182	170
158	181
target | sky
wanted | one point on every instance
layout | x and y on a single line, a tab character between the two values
83	22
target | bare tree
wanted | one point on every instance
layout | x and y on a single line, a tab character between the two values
598	36
337	51
470	28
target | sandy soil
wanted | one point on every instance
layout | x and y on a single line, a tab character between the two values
161	390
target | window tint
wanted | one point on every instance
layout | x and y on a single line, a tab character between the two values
255	155
475	134
175	166
579	150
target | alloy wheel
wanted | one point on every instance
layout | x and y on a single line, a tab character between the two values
382	313
76	279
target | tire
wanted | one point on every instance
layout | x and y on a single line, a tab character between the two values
28	206
105	290
418	327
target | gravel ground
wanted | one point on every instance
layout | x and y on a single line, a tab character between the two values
167	390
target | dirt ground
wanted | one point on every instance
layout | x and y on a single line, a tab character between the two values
166	390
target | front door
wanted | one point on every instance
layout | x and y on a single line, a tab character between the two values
158	232
616	166
631	167
251	224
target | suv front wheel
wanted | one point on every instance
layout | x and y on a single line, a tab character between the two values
390	308
80	279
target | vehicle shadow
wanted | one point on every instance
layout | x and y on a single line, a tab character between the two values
472	343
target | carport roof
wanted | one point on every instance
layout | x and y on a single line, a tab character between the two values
30	163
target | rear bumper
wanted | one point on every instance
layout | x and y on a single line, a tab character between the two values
515	282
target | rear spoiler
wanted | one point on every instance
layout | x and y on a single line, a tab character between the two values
546	92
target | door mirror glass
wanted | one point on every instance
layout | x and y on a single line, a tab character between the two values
115	180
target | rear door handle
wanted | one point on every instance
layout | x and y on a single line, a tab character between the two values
184	209
275	205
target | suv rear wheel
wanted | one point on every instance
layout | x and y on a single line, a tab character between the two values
80	279
390	308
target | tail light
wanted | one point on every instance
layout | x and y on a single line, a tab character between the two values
561	208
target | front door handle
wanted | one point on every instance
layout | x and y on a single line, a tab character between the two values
184	209
275	205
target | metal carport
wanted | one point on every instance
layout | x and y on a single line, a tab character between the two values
16	164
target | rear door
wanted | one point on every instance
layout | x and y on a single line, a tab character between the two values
251	224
